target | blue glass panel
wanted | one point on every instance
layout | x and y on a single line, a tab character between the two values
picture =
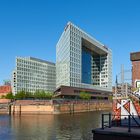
86	66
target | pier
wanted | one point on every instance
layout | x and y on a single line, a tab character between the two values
113	129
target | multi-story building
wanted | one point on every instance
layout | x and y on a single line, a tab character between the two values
33	74
135	58
82	62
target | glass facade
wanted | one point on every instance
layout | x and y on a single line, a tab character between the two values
33	74
86	66
79	66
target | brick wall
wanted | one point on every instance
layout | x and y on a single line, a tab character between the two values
135	71
59	108
3	101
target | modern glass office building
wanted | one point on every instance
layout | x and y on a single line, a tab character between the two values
33	74
82	61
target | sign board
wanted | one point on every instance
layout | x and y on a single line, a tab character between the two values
138	84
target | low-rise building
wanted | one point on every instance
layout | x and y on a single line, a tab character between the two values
5	89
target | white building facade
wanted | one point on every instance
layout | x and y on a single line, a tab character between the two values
82	61
33	74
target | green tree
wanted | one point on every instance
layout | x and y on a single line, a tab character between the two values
41	94
20	95
49	95
9	96
3	97
37	94
85	96
29	95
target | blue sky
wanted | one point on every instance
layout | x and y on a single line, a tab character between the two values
33	27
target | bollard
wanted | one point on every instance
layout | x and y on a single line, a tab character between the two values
20	109
13	109
110	120
129	123
10	110
102	121
73	108
70	108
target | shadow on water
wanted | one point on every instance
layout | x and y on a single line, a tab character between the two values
49	127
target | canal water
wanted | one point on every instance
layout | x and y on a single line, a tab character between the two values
49	127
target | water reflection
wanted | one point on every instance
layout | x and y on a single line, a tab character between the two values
49	127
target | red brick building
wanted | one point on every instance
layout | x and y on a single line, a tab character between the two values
135	59
5	89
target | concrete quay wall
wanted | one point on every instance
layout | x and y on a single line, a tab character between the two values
4	106
55	108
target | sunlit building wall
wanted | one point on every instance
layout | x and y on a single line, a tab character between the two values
33	74
82	61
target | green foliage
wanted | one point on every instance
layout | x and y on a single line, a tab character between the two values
49	95
99	98
38	94
3	97
9	96
41	94
29	95
20	95
110	98
85	96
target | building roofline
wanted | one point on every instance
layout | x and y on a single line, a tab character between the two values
37	59
85	33
40	60
134	52
97	43
63	86
135	56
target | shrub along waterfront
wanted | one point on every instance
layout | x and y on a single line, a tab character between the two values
39	94
85	96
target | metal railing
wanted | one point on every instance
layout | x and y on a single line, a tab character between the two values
129	121
106	123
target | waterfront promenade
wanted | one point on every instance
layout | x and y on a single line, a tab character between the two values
127	128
